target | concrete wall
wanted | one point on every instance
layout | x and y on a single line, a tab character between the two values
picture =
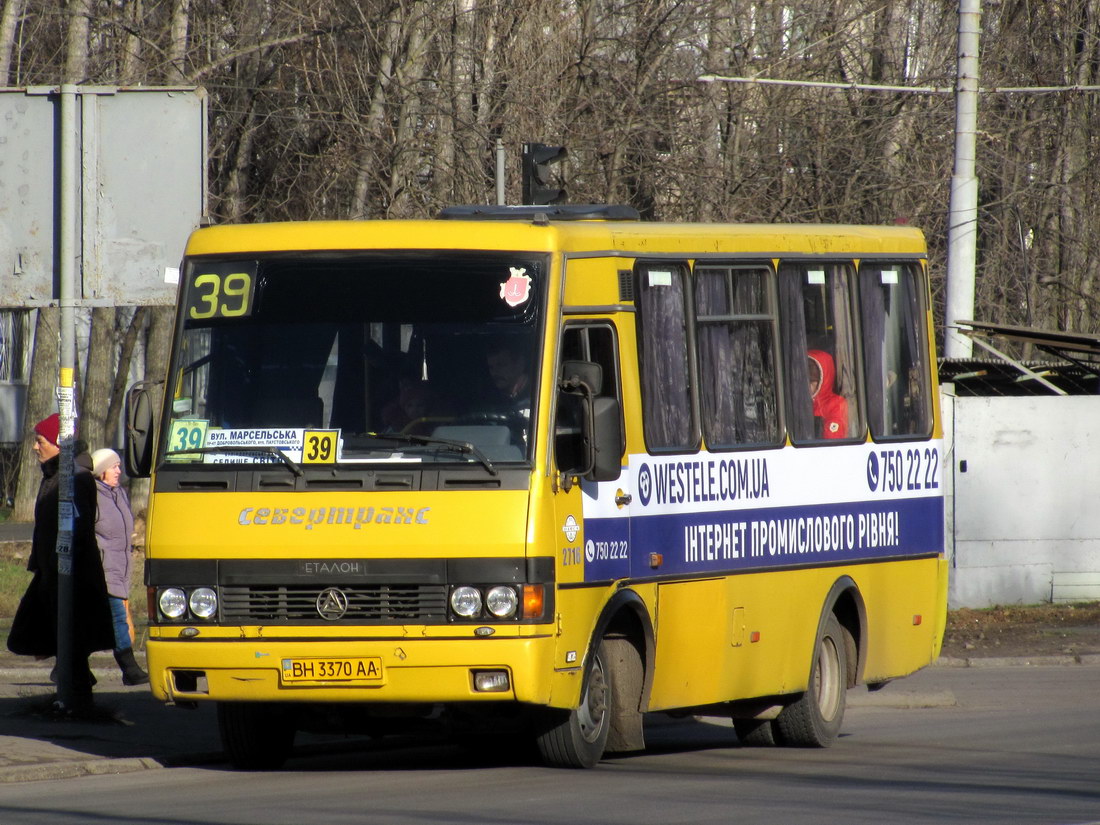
1023	509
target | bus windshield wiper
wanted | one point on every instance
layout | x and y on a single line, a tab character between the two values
464	447
245	449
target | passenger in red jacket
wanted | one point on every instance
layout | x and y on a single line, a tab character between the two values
831	409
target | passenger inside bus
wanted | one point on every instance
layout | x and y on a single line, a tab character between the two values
412	407
830	409
506	368
493	414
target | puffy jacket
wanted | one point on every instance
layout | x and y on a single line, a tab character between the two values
831	408
114	525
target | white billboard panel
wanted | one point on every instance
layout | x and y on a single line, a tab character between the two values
140	181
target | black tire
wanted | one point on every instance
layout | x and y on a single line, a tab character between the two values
256	736
814	719
576	738
627	731
755	733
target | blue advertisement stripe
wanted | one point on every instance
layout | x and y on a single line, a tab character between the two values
729	541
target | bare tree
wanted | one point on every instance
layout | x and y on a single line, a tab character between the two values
10	14
176	52
41	401
98	378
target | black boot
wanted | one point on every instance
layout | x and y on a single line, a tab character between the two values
132	674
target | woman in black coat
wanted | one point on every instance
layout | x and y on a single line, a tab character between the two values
34	628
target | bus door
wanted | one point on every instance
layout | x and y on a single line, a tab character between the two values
601	549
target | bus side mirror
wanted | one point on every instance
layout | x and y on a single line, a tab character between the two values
605	440
139	431
588	429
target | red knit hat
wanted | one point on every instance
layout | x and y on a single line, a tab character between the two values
49	428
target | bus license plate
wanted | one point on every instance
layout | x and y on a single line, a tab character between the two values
332	670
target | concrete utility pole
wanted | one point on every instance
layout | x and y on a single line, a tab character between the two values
962	218
66	399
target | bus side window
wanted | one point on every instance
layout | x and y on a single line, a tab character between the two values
595	343
819	350
736	344
895	350
668	412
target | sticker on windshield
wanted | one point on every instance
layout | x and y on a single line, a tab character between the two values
286	440
517	289
320	446
186	434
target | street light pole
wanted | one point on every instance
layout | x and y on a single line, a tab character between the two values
500	158
962	218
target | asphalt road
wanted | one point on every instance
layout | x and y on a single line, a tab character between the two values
974	745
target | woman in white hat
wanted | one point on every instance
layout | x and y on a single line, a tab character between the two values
114	525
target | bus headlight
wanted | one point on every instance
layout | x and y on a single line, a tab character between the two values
203	602
466	602
502	601
498	602
172	602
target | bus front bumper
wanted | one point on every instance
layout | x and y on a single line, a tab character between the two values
391	671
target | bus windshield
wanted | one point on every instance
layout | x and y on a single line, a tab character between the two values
418	356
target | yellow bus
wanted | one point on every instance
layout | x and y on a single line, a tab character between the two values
552	467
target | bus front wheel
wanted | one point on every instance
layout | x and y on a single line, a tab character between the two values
576	738
813	720
255	735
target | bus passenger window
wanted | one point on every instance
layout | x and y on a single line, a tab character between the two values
819	351
736	344
668	415
895	350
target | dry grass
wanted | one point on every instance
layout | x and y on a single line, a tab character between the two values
1024	630
967	619
14	578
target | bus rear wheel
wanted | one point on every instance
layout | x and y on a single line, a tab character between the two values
256	735
814	719
755	733
576	738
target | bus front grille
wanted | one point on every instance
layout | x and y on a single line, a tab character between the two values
370	603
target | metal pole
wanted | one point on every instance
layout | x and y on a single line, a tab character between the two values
500	172
66	652
884	87
962	219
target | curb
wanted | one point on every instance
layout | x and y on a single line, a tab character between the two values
904	700
1067	660
104	675
101	766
